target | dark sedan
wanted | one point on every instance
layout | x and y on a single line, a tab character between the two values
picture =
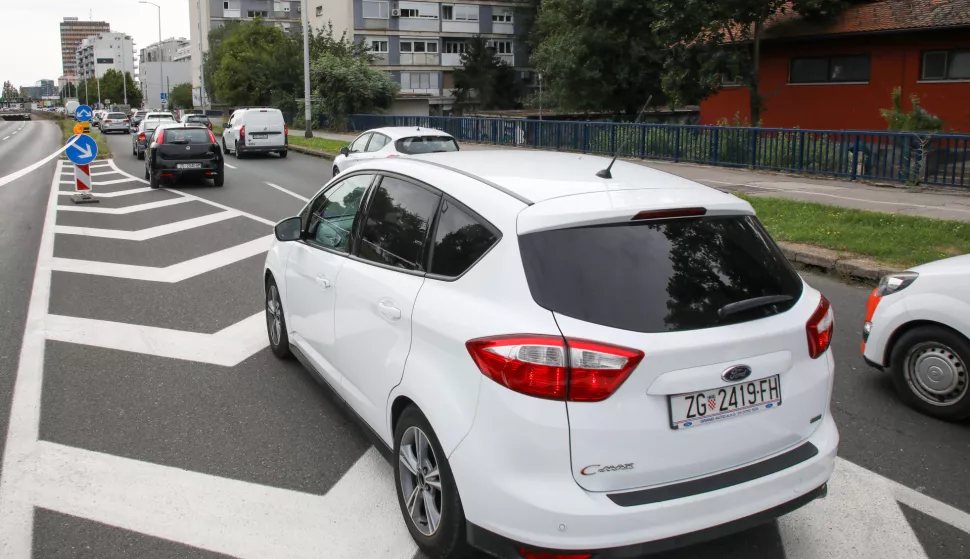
177	151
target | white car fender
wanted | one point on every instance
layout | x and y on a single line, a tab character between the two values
939	306
275	264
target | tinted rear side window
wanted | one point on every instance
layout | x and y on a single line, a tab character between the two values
396	229
460	240
426	144
658	276
187	136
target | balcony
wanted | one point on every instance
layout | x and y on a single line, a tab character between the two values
450	59
231	13
420	59
507	58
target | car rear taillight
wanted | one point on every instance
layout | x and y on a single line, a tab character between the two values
126	121
554	368
108	121
141	137
820	328
529	554
212	137
161	137
242	132
286	130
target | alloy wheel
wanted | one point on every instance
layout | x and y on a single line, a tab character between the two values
274	315
420	481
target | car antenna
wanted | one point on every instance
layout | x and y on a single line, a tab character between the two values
605	173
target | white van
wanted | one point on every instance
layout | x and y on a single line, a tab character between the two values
255	131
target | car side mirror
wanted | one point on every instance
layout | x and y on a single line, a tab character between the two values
289	229
344	151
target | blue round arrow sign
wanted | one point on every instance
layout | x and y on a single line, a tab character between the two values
84	150
83	113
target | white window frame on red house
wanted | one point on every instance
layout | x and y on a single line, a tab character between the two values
947	65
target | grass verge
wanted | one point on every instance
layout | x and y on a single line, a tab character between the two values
332	146
897	240
67	130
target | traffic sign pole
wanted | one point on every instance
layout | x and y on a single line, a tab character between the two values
82	186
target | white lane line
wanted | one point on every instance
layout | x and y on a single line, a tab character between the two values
197	198
170	274
16	511
121	211
811	193
102	174
5	138
359	517
14	133
227	347
230	166
293	194
114	181
145	234
113	194
859	518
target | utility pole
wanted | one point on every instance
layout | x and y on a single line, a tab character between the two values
124	74
306	69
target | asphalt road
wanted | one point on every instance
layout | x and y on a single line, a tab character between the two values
167	429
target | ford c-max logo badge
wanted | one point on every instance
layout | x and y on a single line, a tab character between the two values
736	373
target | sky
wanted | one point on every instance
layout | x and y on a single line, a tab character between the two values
30	42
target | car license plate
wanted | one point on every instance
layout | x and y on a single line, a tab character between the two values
188	166
717	404
260	136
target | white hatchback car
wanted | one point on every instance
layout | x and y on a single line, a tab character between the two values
561	363
381	143
918	326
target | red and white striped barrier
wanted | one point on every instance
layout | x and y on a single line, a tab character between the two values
82	178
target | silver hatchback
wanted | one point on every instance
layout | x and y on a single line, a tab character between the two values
116	122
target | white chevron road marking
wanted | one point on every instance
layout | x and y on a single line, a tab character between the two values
149	233
170	274
126	210
227	347
138	190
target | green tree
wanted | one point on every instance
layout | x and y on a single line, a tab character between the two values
708	40
916	120
255	63
9	91
485	79
112	88
598	54
69	90
180	97
345	85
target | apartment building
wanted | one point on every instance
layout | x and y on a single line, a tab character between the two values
105	51
73	31
418	42
162	66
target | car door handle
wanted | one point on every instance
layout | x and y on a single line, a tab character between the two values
388	310
323	283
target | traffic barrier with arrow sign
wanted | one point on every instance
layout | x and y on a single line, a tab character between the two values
82	153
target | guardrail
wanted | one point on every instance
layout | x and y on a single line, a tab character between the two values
935	159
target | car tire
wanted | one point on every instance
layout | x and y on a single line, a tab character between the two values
153	180
447	539
134	151
236	151
283	154
219	179
225	150
279	341
335	171
141	156
930	366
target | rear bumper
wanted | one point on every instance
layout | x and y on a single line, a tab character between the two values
171	168
262	149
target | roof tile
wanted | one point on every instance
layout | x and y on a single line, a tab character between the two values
867	17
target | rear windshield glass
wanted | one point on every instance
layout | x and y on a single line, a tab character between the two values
426	144
119	116
659	276
154	116
268	118
187	136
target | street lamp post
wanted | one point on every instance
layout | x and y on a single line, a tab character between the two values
198	7
161	80
124	75
306	70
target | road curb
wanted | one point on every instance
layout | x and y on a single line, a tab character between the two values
843	264
313	152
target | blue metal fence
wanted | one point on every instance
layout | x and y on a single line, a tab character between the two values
938	159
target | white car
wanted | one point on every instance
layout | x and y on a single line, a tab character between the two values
918	327
258	130
563	364
380	143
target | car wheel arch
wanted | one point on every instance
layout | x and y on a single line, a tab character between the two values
400	404
903	329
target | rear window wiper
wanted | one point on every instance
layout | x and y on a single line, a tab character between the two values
753	303
177	142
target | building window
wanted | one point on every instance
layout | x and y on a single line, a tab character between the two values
409	13
378	46
319	11
455	48
501	47
375	10
419	46
834	69
502	16
459	12
423	10
416	80
941	65
257	13
225	5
